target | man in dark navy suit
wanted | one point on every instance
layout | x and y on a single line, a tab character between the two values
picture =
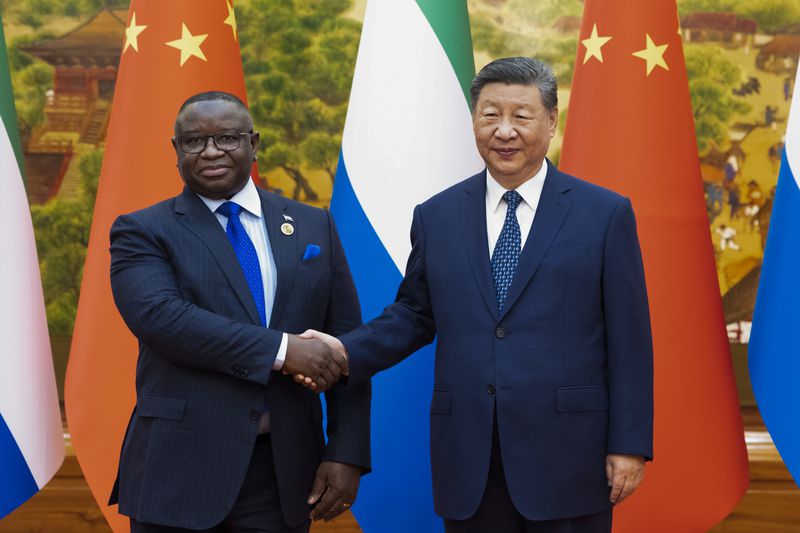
210	282
542	407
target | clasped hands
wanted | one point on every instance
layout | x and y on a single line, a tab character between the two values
315	360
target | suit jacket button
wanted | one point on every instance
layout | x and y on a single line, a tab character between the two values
255	415
245	371
490	388
500	333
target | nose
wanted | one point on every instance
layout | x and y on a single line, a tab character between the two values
505	130
210	150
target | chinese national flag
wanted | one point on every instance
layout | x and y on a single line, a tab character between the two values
630	129
172	50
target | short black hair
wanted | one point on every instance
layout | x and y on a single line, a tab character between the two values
520	71
213	96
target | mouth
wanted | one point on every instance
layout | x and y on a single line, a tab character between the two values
506	153
214	171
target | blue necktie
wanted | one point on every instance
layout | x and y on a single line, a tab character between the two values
506	252
246	254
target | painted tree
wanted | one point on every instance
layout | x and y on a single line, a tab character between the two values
299	57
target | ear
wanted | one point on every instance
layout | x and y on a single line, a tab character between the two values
553	119
174	142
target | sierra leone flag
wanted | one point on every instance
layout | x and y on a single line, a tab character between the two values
31	438
774	350
408	135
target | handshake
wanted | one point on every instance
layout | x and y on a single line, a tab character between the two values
315	360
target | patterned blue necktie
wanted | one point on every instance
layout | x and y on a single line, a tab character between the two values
506	252
246	253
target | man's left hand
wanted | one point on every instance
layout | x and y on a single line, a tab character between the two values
334	490
624	473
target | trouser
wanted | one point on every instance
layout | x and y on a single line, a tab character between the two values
497	513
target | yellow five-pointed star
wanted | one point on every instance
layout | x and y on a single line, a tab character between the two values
654	55
594	46
189	45
132	34
231	20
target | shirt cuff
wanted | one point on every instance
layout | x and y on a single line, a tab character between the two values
281	357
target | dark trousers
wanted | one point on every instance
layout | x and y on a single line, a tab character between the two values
497	513
257	508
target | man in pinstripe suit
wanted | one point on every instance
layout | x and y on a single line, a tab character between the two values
211	282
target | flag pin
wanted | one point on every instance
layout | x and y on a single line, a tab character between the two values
287	218
287	229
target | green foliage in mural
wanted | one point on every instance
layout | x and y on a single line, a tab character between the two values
531	34
30	78
487	36
545	12
298	57
62	236
712	79
771	15
34	13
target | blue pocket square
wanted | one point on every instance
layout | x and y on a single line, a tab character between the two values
312	251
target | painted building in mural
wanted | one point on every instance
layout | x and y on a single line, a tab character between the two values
78	104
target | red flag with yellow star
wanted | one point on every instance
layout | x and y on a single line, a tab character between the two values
630	128
172	50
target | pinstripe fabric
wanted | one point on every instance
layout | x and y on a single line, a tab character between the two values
205	363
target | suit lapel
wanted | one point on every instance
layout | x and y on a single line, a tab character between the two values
550	214
194	214
284	249
472	211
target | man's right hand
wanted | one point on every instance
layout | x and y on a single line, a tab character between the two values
331	342
314	360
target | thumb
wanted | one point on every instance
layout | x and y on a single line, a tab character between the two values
309	334
317	488
609	471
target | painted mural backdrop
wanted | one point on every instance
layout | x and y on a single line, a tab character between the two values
298	59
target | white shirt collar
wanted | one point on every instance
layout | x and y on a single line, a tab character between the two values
248	198
530	190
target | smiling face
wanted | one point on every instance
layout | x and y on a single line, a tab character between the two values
512	130
214	173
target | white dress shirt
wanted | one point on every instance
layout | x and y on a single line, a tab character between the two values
496	207
252	218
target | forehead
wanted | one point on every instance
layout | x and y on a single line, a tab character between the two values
212	116
517	94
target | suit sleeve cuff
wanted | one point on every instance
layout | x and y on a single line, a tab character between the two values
281	357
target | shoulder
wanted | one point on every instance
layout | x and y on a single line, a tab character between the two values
151	214
287	204
583	191
454	194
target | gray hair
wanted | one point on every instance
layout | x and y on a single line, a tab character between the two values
520	71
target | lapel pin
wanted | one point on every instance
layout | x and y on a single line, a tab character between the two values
287	218
287	229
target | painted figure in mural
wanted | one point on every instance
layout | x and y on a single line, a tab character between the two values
210	281
770	118
537	423
727	235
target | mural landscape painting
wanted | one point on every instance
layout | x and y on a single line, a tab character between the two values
298	57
